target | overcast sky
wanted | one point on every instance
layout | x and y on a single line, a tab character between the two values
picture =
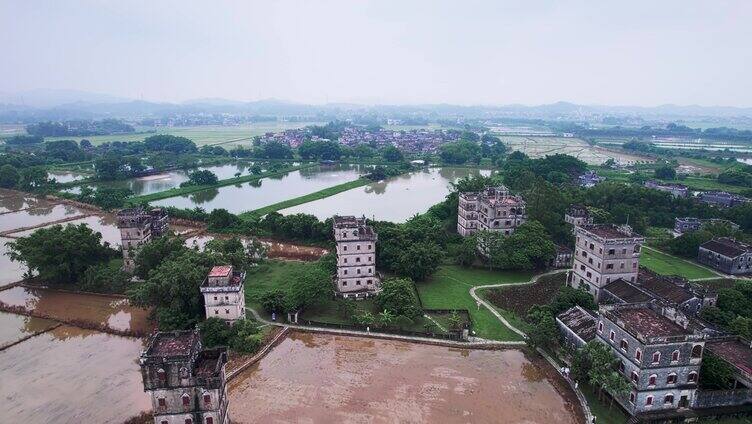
388	52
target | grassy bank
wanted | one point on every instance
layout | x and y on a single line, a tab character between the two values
665	264
329	191
449	288
179	191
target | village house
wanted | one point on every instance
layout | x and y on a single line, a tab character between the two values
656	352
688	224
577	215
577	326
676	190
493	209
186	382
137	227
590	179
224	293
356	257
726	255
604	253
563	257
673	291
721	199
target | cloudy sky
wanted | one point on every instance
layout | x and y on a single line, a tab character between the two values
463	52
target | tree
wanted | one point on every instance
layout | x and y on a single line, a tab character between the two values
60	254
169	143
455	321
460	152
274	300
715	373
9	176
104	278
385	318
665	172
392	154
111	198
215	332
201	177
246	337
220	219
153	253
419	260
398	297
308	288
467	251
346	309
173	289
544	333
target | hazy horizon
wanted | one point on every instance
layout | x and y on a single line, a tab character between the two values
384	52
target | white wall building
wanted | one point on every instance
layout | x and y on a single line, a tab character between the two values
356	257
493	209
224	293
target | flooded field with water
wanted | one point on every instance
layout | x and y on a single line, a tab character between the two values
37	216
249	196
15	327
324	378
105	224
114	312
395	199
70	375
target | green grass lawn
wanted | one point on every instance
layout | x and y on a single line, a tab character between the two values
665	264
270	275
449	288
603	413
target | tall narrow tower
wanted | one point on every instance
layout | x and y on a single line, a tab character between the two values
356	257
604	253
186	382
137	227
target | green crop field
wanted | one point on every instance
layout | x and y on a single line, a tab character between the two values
449	288
665	264
230	136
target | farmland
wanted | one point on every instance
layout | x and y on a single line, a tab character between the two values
593	155
201	135
665	264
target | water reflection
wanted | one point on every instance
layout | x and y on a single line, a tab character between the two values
395	199
14	327
270	190
114	312
71	375
203	196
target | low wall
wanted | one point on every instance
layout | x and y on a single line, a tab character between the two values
717	398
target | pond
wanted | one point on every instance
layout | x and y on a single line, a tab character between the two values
14	201
66	176
317	378
105	224
70	375
112	311
395	199
249	196
37	216
10	271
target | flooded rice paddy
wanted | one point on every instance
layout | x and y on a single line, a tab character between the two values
253	195
324	378
395	199
70	375
15	327
14	201
111	311
105	224
66	176
37	216
10	271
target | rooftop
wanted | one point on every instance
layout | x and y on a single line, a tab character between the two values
662	184
209	363
611	231
131	212
734	352
220	271
348	221
726	247
672	289
172	343
627	292
578	210
580	321
646	322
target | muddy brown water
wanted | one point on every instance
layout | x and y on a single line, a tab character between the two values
114	312
70	375
314	378
276	249
15	327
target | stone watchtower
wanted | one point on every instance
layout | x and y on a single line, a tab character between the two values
604	253
137	227
356	257
186	382
224	293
